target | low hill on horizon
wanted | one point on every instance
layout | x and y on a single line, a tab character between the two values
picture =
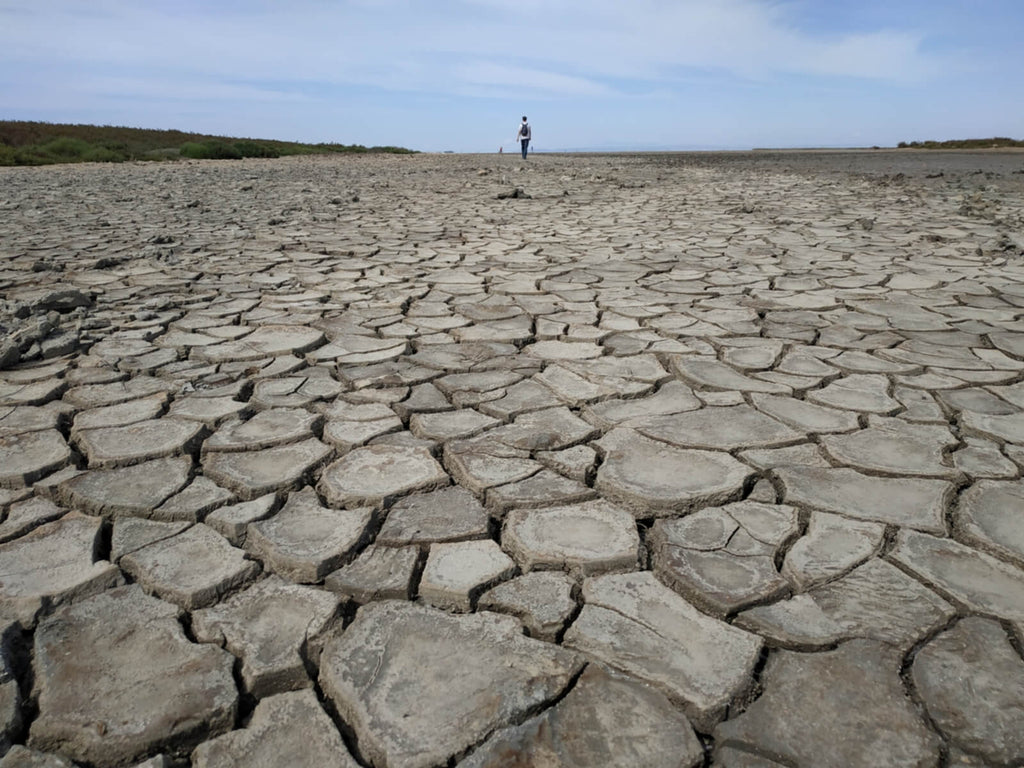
24	142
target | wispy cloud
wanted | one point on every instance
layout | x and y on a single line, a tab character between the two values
162	88
501	76
559	46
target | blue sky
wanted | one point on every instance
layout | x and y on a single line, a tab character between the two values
458	74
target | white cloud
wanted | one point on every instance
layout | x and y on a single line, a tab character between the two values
560	47
488	74
190	89
652	38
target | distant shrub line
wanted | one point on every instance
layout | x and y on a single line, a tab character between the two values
34	143
997	142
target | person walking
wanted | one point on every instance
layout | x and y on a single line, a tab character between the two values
524	136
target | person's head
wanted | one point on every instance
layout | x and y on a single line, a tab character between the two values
524	118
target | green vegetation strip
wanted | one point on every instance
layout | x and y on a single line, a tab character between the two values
34	143
995	143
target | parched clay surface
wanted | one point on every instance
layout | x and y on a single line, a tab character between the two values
681	460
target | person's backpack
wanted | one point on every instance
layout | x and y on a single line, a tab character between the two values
524	132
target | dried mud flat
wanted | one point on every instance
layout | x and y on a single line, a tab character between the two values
666	460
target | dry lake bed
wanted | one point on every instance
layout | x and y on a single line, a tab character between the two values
455	460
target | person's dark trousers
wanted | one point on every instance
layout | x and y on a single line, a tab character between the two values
526	143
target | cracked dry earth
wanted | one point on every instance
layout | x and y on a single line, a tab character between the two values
667	461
